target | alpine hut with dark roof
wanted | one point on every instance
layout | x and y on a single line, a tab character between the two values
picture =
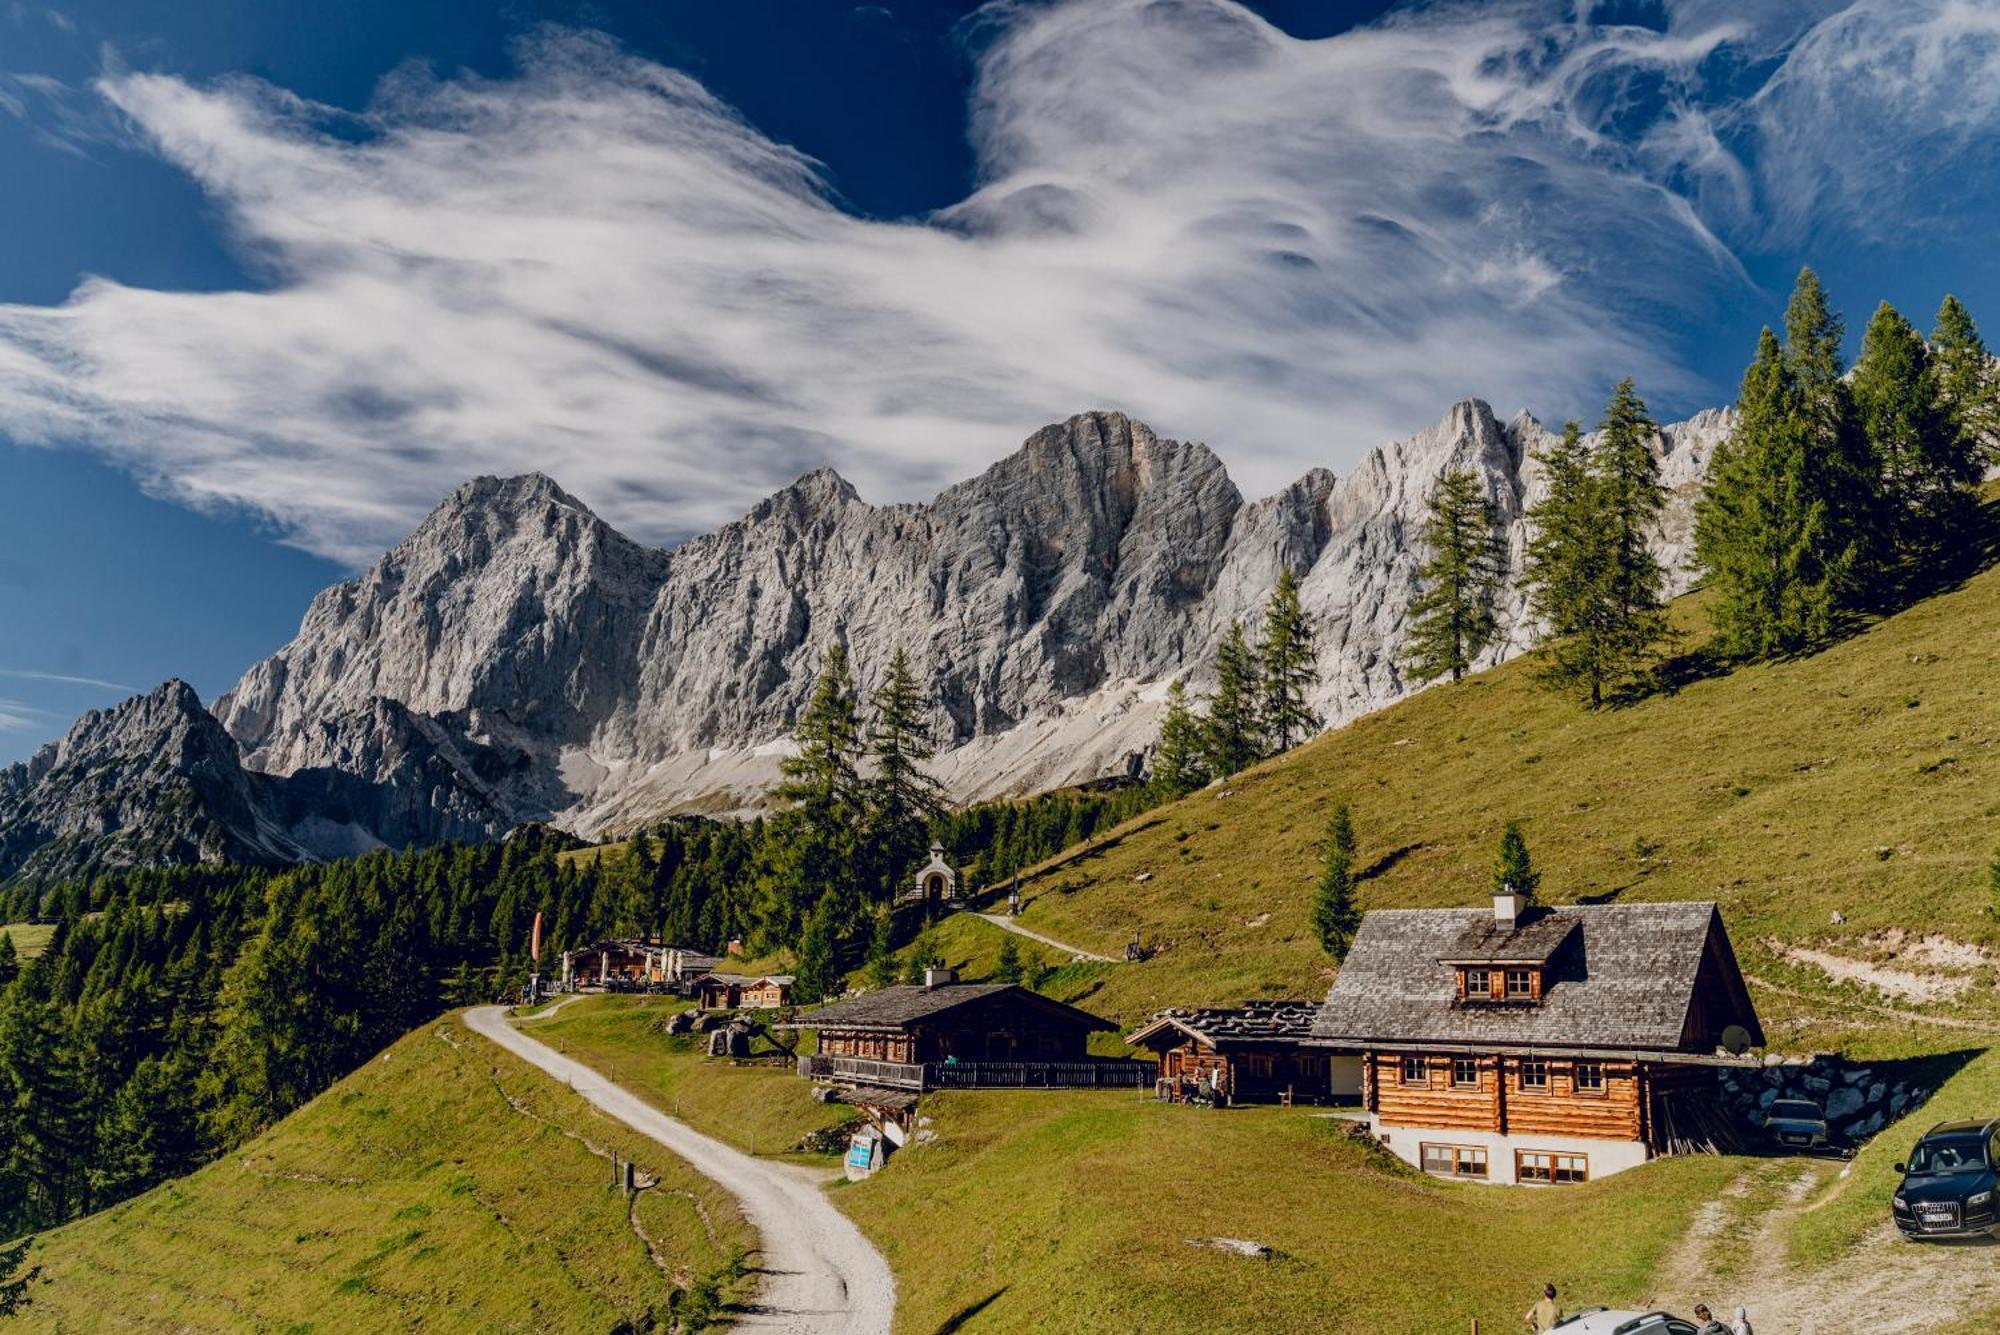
1539	1045
1255	1052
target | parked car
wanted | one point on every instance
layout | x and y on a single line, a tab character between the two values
1948	1184
1798	1124
1605	1321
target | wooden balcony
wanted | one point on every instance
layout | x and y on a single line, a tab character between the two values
1105	1074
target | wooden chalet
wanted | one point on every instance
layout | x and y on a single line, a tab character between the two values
1540	1045
947	1034
742	991
1254	1053
631	965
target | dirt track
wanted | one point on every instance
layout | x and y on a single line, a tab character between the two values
820	1276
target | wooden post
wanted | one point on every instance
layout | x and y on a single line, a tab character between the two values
629	1183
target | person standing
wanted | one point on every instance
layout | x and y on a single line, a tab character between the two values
1544	1314
1741	1326
1706	1324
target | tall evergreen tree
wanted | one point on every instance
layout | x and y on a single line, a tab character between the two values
1335	917
814	854
1007	967
882	950
1757	528
1452	620
10	963
1565	558
1925	466
1836	473
814	977
902	797
1968	383
1179	765
1233	736
1513	870
1630	501
1289	670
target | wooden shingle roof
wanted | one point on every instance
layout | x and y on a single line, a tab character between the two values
1622	976
1252	1022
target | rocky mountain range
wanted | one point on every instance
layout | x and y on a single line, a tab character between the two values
516	658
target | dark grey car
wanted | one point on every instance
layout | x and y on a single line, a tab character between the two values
1797	1124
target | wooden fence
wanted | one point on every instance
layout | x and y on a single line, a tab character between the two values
1106	1074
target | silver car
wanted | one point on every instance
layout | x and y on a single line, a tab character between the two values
1604	1321
1797	1124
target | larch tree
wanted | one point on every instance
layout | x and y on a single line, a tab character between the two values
1179	765
1234	738
1335	917
1452	619
1968	382
1289	669
1513	870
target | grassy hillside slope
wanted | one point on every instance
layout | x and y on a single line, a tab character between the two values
444	1186
1864	780
30	938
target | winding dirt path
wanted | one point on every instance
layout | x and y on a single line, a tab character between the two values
1885	1286
819	1275
1007	924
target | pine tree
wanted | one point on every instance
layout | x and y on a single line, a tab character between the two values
1513	871
1335	918
822	771
813	854
1007	968
1968	383
1452	621
1923	463
1179	765
1565	558
923	952
14	1280
10	963
902	798
882	951
814	977
1631	499
1233	739
1836	475
1289	671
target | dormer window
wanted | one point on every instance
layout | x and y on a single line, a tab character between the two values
1477	983
1521	985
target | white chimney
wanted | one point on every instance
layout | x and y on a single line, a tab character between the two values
939	975
1507	909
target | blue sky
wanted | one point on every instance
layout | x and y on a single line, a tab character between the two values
276	276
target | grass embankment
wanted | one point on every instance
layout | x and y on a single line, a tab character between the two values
413	1194
1075	1211
1864	780
30	938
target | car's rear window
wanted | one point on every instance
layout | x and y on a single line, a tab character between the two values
1949	1154
1805	1110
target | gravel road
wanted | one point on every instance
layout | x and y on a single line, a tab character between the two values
819	1275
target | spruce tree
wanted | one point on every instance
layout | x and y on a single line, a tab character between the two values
1288	669
923	952
1452	620
1513	871
1836	474
902	797
1923	468
1007	968
1565	558
1968	383
813	853
1179	764
1630	501
1335	918
10	963
1233	739
1756	529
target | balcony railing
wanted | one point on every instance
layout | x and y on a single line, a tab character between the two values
1105	1074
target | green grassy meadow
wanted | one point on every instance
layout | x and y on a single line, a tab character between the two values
412	1195
30	938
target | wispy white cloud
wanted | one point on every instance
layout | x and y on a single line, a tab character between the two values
64	679
20	716
1292	249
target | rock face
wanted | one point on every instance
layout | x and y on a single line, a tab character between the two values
516	658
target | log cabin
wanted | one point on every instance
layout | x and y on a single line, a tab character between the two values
1539	1045
632	963
742	991
1253	1053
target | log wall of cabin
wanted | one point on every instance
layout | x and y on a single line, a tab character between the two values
1498	1102
874	1047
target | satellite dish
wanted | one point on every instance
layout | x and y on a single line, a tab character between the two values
1736	1040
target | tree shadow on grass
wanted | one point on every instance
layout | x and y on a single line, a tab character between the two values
965	1314
1386	861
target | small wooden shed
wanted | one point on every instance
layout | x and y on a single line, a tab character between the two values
1252	1053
